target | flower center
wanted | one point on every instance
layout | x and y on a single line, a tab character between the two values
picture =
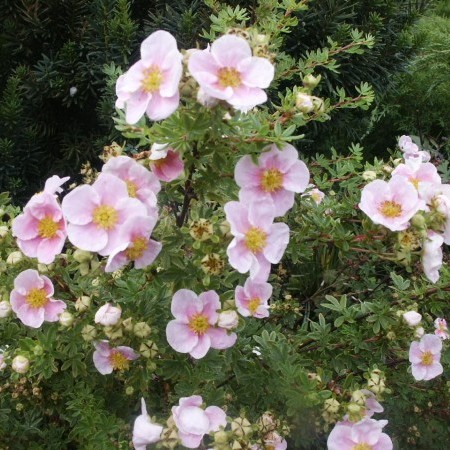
105	217
137	248
47	227
253	305
362	446
271	180
36	298
415	182
118	360
390	209
152	79
427	358
255	239
131	188
229	77
199	324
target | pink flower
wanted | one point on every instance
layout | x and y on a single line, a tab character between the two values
251	300
193	422
412	318
108	315
136	244
278	175
141	183
96	213
258	241
32	299
366	434
413	156
41	229
441	328
272	441
107	358
151	85
166	164
391	204
193	331
424	357
228	71
432	255
316	194
145	432
425	174
54	183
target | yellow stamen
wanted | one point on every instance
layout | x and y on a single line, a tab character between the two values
132	188
390	209
362	446
137	248
47	227
118	360
253	305
152	79
271	180
427	358
229	77
36	298
255	239
199	324
105	217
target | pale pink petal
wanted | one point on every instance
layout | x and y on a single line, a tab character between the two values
180	337
247	173
296	179
260	269
203	66
117	259
237	216
53	309
340	438
418	371
431	343
27	280
32	317
211	303
25	226
111	189
256	72
54	183
185	304
245	98
283	201
220	339
128	352
102	363
193	400
49	248
169	168
433	371
258	290
415	354
149	255
217	418
156	46
277	241
136	106
239	256
261	214
78	205
384	443
29	248
190	440
230	50
87	237
202	347
160	108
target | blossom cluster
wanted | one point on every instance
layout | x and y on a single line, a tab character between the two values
414	202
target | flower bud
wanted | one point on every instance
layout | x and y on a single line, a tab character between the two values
82	256
310	81
369	175
127	324
108	315
148	349
66	319
359	398
88	333
241	426
3	231
129	390
20	364
2	362
304	102
141	329
331	405
14	258
221	437
5	309
83	303
419	332
113	332
412	318
228	320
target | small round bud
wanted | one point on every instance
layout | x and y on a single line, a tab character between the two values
66	319
38	350
310	81
3	231
83	303
14	258
82	256
88	333
129	390
141	329
20	364
5	309
108	315
221	437
228	320
148	349
304	102
127	324
418	221
369	175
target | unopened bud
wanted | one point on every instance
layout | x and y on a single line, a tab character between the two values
83	303
304	102
14	258
88	333
20	364
228	320
82	256
310	81
369	175
5	309
3	231
127	324
141	329
241	426
148	349
66	319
